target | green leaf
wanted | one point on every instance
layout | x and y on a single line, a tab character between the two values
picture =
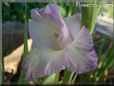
89	13
21	79
74	78
52	79
108	10
67	77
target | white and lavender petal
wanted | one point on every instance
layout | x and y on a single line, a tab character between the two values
40	63
73	24
48	27
58	43
80	55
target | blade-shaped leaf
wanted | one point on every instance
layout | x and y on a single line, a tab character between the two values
90	12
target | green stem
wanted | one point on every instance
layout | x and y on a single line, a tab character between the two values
71	77
21	79
68	76
74	78
57	77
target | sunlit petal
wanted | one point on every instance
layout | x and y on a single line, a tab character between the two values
48	28
80	56
58	43
73	24
43	62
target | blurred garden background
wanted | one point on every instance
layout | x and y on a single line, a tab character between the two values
16	16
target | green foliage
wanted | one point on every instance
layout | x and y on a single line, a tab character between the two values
108	10
105	49
21	79
91	12
16	11
13	12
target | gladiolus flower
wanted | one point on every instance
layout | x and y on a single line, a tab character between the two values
58	43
